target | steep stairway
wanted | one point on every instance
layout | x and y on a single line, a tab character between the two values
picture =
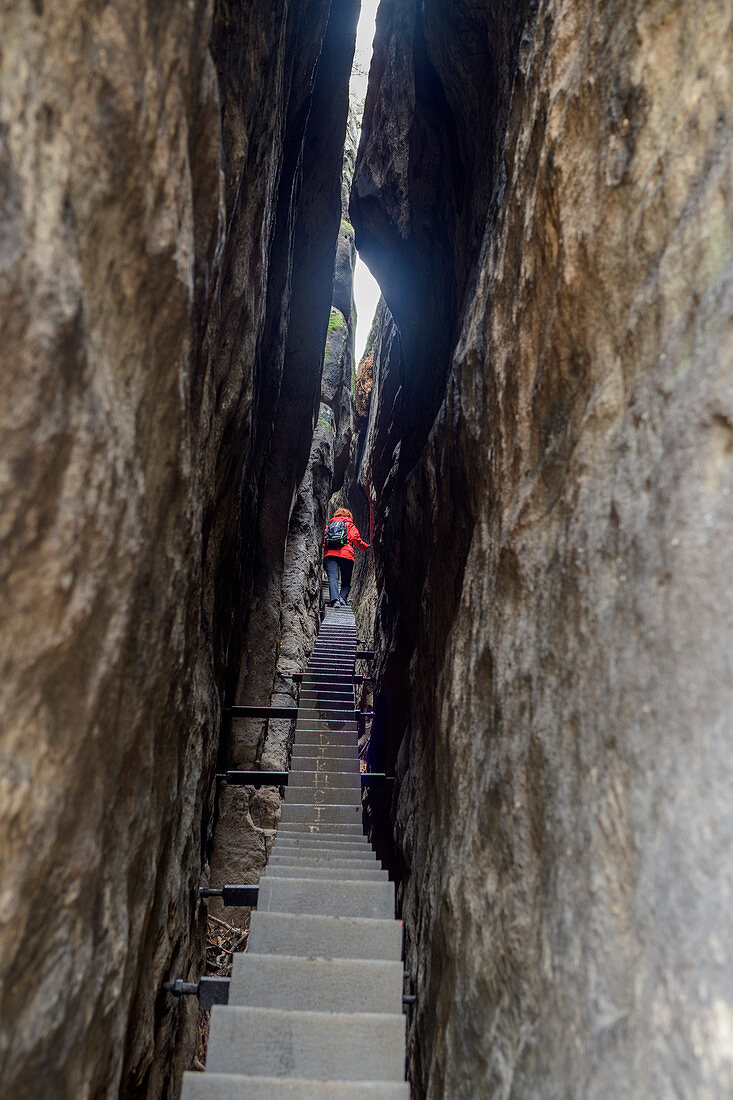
315	1003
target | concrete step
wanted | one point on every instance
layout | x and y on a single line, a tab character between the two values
315	696
325	759
314	740
323	779
235	1086
319	764
348	739
323	898
343	872
332	669
311	813
321	851
321	731
337	650
325	735
336	643
331	829
290	854
350	848
341	711
326	937
317	984
272	1042
308	860
341	652
312	749
319	793
315	679
333	687
338	717
339	833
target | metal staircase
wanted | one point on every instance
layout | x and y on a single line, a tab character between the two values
315	1003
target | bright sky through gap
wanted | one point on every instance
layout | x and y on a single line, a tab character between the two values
366	288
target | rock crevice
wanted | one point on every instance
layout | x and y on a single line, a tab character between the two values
170	181
550	537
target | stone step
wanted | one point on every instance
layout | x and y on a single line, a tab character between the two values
320	793
316	984
235	1086
338	899
271	1042
325	937
310	813
344	871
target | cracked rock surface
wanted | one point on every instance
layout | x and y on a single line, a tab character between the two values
164	169
550	461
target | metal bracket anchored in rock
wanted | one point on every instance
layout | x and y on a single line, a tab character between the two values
281	779
210	991
243	894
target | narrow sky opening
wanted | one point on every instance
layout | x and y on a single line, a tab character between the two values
366	288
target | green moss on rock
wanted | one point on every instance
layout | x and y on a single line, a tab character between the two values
336	320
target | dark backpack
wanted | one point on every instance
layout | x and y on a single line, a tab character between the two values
336	535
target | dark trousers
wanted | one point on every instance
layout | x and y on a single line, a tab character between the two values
333	565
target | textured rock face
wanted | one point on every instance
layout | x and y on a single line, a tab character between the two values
167	231
553	554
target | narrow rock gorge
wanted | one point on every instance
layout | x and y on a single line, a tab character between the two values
544	192
170	179
537	442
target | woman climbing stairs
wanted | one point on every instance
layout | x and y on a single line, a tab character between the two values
315	1003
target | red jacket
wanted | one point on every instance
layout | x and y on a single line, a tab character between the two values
352	535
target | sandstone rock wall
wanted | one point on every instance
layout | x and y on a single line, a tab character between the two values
169	196
551	464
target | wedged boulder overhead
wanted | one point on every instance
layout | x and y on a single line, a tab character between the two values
553	631
168	229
